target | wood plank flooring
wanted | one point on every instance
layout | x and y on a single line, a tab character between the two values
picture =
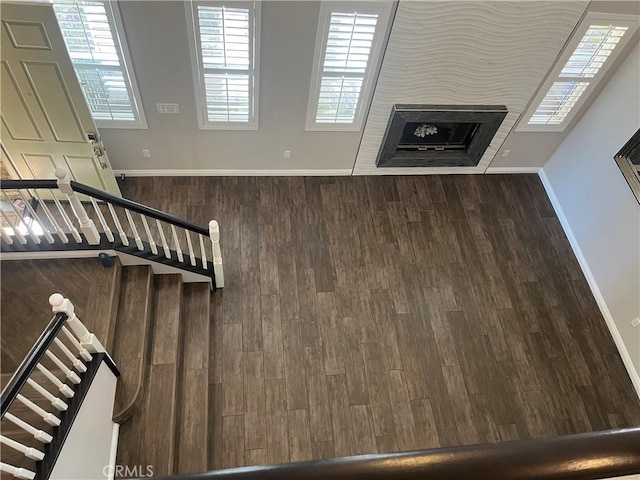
377	314
25	289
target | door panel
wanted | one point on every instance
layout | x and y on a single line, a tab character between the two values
20	124
85	170
52	95
45	117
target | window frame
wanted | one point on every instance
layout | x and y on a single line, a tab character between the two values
198	70
384	11
126	64
591	18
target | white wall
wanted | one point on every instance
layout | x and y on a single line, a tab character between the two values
602	216
88	448
157	36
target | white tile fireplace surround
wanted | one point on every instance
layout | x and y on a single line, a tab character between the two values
491	53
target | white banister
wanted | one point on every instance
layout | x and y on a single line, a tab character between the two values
35	218
203	252
29	452
218	270
134	229
21	473
50	418
39	435
7	238
103	222
123	236
74	231
152	243
32	235
165	245
192	255
86	356
63	388
54	223
87	339
55	401
77	363
86	224
177	244
70	374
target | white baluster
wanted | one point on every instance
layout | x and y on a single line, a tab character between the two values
55	401
63	388
32	453
103	222
86	224
50	418
152	243
32	235
63	236
39	435
136	236
177	244
87	339
74	231
70	374
8	238
77	363
21	473
203	253
35	218
218	270
18	234
123	236
86	356
192	256
165	245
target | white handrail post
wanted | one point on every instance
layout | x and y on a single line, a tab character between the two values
218	271
86	224
88	340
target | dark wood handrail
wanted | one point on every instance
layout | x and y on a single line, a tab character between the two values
603	454
139	208
32	359
28	184
107	197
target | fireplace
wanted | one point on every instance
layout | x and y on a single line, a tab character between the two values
439	135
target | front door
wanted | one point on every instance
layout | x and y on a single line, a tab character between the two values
46	122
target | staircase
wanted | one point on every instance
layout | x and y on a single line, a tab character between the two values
161	340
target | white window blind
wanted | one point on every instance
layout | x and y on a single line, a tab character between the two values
89	32
585	61
225	38
348	43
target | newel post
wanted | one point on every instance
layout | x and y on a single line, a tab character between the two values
214	235
86	224
88	340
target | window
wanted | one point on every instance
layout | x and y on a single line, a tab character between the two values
91	32
224	45
348	50
590	53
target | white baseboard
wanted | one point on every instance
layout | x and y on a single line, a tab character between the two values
234	173
602	304
512	170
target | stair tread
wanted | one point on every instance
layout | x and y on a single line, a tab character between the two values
193	394
138	443
131	338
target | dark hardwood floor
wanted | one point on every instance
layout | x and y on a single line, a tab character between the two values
377	314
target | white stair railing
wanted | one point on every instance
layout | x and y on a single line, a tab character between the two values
34	223
78	339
